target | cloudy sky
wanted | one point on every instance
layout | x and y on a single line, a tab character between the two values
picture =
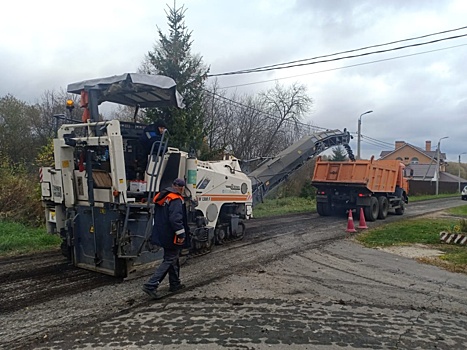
416	94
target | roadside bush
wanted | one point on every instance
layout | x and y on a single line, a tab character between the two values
45	156
308	191
460	227
19	194
297	184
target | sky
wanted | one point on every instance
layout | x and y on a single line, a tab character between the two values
416	94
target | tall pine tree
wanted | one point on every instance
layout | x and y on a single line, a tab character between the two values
171	56
338	154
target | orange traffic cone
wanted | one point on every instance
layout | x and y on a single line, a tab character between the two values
350	225
362	222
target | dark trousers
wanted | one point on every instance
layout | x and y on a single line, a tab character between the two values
170	265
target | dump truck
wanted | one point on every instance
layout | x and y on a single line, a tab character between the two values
377	186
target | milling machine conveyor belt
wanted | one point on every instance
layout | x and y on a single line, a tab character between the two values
275	170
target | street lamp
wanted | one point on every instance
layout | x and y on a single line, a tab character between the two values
460	171
437	164
359	132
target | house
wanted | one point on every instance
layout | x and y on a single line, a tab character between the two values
421	167
414	157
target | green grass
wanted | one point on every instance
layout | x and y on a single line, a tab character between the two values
16	238
432	196
455	254
281	206
425	231
458	211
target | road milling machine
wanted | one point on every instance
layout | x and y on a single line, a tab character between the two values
98	195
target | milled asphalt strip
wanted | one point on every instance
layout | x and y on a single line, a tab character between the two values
72	314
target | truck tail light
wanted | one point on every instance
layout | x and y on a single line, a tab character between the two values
321	192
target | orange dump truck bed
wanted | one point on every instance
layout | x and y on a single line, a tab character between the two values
375	175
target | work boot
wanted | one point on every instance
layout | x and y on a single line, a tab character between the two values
176	288
151	292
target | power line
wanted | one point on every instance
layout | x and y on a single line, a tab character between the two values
374	144
383	143
374	141
292	64
343	67
299	63
363	48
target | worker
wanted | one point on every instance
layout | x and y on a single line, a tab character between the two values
170	231
152	134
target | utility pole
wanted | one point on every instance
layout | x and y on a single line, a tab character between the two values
359	132
437	164
459	176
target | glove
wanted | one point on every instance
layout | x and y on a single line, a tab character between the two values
179	239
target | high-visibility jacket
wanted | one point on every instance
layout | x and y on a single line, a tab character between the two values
169	218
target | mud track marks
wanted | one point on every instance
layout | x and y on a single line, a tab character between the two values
31	279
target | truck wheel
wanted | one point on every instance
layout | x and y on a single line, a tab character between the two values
323	209
383	205
401	209
371	212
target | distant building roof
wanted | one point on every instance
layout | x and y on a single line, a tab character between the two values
446	177
427	172
420	170
429	154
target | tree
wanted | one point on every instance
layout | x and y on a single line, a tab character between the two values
338	154
25	128
52	113
216	127
258	126
286	106
19	198
18	137
172	57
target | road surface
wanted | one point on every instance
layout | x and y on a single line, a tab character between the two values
294	282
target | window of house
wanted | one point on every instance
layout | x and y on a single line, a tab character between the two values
414	160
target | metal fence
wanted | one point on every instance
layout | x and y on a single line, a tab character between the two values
417	187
